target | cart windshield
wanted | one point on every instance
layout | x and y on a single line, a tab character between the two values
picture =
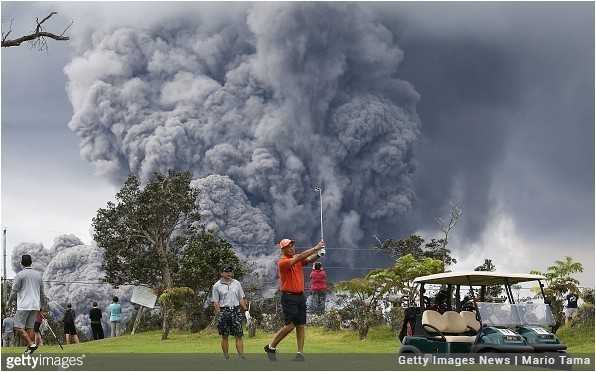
510	315
536	314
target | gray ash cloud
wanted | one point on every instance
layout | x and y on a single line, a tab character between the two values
260	111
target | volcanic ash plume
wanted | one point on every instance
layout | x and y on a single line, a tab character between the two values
72	273
260	111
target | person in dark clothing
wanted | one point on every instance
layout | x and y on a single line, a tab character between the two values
440	303
36	329
571	306
95	317
69	325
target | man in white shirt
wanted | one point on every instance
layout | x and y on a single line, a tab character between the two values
27	288
228	299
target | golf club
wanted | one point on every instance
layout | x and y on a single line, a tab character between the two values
51	330
317	188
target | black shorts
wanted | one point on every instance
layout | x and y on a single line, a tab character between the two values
294	308
230	322
36	327
70	329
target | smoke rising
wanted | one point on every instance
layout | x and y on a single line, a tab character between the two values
71	271
259	111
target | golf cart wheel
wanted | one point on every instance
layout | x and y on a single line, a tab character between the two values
409	349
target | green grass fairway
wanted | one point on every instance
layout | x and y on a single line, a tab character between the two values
579	339
380	340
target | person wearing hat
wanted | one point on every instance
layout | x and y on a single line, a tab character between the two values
228	299
291	277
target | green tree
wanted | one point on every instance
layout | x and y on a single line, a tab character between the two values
367	295
560	281
141	232
587	294
408	268
486	266
437	249
397	248
493	291
369	290
414	245
203	256
173	300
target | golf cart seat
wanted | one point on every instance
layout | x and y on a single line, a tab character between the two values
449	326
470	318
458	326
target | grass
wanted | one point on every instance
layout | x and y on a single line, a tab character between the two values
579	339
380	340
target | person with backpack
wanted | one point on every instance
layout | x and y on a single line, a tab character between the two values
70	331
95	317
318	287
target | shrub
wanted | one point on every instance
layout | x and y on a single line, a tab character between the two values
396	319
588	295
584	316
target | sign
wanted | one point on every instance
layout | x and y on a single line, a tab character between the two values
143	296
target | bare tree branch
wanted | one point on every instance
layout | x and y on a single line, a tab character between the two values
39	37
5	34
446	227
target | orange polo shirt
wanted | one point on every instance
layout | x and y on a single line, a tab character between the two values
291	277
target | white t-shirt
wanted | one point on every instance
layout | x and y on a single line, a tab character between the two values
29	288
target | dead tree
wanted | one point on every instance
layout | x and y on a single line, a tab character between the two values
39	37
446	227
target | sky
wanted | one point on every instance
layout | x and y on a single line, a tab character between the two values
505	114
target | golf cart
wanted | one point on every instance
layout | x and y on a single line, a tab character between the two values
452	325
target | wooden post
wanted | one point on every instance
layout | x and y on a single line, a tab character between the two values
137	319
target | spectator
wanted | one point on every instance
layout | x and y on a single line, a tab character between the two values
115	311
95	317
318	286
69	325
571	306
38	320
229	303
8	332
28	291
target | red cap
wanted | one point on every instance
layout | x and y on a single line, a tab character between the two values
285	242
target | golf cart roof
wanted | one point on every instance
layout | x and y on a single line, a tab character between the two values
477	278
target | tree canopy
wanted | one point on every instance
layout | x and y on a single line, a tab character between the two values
560	281
414	245
140	232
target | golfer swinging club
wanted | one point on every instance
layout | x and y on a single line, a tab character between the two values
293	302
